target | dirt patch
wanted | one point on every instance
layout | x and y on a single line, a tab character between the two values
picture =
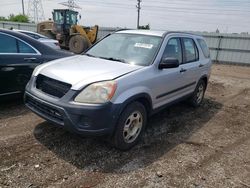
182	147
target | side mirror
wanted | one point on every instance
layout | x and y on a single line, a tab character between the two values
169	62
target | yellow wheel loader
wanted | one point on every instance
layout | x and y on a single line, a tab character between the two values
64	28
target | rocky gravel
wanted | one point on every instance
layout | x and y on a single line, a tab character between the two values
182	147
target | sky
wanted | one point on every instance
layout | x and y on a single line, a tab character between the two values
229	16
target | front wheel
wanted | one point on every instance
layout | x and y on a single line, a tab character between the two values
130	126
198	94
78	44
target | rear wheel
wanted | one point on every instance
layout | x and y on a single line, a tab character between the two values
78	44
130	126
198	94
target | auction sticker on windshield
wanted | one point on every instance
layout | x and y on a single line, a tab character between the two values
144	45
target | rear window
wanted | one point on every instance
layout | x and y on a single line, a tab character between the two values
204	48
24	48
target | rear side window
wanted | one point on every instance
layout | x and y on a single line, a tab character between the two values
7	44
24	48
204	48
190	50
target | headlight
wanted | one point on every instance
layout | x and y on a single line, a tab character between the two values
97	93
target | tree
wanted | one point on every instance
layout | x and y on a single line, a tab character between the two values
18	18
2	18
15	18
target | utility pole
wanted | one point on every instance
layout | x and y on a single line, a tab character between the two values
35	11
138	6
23	7
71	5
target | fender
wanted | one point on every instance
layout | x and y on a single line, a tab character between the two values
204	77
144	98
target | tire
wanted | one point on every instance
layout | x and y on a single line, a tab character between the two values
130	126
78	44
198	95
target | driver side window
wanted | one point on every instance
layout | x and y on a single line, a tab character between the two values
173	49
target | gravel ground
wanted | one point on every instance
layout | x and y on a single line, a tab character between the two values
183	147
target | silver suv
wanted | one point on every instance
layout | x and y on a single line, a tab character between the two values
119	82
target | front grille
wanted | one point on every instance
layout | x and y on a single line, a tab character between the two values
51	86
44	110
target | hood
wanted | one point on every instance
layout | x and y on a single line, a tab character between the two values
81	70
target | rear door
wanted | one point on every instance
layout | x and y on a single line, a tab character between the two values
17	61
205	61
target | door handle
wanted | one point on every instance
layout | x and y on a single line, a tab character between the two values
201	65
183	70
7	69
29	59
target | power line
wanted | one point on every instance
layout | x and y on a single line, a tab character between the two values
157	8
166	8
199	9
71	5
176	10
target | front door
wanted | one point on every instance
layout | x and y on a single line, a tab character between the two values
169	81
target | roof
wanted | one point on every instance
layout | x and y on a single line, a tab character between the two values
19	35
20	30
44	49
159	33
31	32
144	32
65	10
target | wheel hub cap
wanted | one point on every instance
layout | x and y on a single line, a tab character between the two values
200	93
133	126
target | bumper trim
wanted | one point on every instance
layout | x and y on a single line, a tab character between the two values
32	104
84	120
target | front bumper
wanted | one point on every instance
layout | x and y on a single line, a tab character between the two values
95	120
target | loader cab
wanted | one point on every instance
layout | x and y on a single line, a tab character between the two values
64	19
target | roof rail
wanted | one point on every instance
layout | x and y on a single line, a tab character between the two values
181	32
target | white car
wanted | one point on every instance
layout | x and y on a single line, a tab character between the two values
50	42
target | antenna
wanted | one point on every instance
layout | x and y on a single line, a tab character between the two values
71	5
35	11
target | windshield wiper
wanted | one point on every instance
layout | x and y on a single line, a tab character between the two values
90	55
107	58
114	59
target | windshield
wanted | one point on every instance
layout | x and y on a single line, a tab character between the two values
70	17
134	49
58	17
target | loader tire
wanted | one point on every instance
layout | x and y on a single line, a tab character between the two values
78	44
